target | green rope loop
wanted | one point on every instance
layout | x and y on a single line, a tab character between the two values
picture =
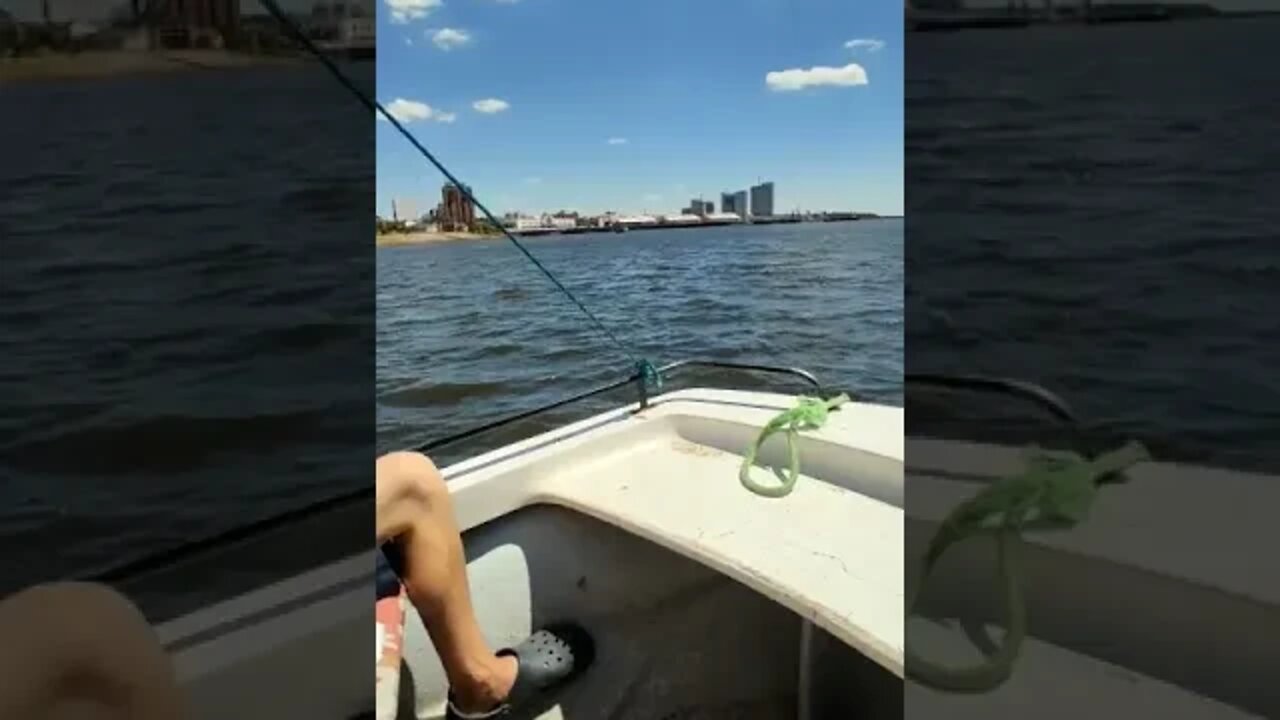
1055	492
808	414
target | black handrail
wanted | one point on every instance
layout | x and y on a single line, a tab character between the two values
1055	405
169	558
665	371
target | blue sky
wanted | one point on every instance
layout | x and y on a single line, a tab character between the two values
598	105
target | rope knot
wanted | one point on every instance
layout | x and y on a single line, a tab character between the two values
1054	492
810	413
649	375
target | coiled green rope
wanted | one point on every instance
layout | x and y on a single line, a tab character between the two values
809	414
1055	492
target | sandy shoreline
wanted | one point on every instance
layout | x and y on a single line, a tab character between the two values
101	64
427	238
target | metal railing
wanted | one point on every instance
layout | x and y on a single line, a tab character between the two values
1036	394
171	558
666	371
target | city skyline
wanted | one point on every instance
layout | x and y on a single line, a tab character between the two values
756	201
535	107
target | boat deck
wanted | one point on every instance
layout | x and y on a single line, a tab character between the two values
827	554
830	551
636	524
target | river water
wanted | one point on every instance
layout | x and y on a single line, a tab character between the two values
186	292
1094	209
470	331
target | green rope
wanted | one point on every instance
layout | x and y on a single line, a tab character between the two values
1055	492
809	414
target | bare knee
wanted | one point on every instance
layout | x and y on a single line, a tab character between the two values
90	604
408	484
87	641
410	475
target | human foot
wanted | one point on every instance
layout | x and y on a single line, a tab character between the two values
488	687
546	660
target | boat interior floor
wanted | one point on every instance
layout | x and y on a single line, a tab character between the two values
675	639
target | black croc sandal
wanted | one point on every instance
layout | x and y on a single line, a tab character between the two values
548	659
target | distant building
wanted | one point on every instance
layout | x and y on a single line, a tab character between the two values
402	210
762	200
560	221
456	213
735	203
345	23
199	22
521	222
723	217
631	220
698	207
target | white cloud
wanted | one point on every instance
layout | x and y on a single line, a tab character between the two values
408	41
403	11
868	44
489	106
407	111
449	38
616	141
797	79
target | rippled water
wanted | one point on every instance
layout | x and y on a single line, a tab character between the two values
1094	209
470	331
185	289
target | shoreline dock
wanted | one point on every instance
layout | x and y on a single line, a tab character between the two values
431	237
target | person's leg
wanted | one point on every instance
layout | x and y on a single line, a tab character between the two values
82	645
414	510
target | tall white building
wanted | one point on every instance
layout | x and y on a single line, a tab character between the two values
762	200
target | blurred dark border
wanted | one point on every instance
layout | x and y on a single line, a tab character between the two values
187	289
1091	209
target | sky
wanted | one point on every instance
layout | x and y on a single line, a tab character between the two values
541	105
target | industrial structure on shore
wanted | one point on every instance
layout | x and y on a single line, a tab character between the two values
455	213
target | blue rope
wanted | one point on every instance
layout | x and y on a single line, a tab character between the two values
649	375
646	369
